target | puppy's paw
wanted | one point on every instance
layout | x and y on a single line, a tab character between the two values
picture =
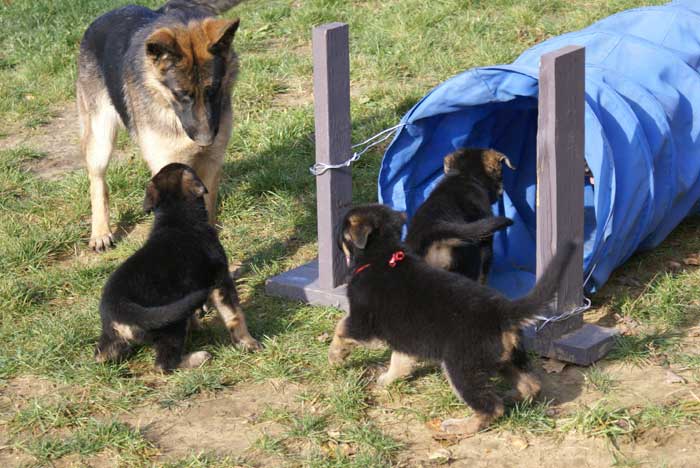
463	426
194	360
100	242
338	354
386	379
249	344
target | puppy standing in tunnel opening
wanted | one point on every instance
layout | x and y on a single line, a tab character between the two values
433	314
153	294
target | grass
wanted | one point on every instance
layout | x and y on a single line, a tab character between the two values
50	286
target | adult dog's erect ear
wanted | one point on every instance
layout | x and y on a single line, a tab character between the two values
162	47
151	199
220	33
358	231
192	186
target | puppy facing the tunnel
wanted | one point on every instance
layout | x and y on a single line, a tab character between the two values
433	314
153	294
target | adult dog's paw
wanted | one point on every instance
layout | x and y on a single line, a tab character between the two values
101	242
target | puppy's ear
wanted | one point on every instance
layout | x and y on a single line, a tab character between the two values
151	199
220	33
492	160
358	231
448	164
192	186
161	46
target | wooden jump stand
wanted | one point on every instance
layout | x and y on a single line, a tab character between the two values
560	169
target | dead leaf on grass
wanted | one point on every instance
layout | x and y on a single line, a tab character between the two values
335	449
434	424
440	457
672	377
553	366
692	259
519	443
627	325
323	337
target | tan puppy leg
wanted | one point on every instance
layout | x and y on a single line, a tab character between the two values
194	360
401	366
341	345
226	301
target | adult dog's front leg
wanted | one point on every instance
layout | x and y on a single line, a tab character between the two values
341	345
209	171
225	299
98	121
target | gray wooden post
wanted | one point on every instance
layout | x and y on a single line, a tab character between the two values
560	172
319	282
333	146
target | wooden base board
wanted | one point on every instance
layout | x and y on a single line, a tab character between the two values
582	346
301	284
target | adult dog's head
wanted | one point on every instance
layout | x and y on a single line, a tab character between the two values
193	68
481	164
175	185
372	227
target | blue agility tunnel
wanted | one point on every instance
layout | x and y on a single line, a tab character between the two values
642	143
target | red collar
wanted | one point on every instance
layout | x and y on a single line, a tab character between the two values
395	258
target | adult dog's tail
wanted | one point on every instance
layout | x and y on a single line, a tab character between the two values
153	318
211	7
543	293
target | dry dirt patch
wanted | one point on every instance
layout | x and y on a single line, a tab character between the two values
226	423
58	139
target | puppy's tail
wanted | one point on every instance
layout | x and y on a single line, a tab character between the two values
544	291
152	318
211	7
472	233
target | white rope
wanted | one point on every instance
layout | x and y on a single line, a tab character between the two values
566	315
319	168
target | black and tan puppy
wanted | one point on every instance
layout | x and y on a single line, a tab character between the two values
453	229
152	295
165	75
433	314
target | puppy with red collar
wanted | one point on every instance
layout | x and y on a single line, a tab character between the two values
433	314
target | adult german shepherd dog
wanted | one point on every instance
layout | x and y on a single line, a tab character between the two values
165	75
418	310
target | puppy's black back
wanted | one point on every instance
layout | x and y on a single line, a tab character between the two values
172	274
